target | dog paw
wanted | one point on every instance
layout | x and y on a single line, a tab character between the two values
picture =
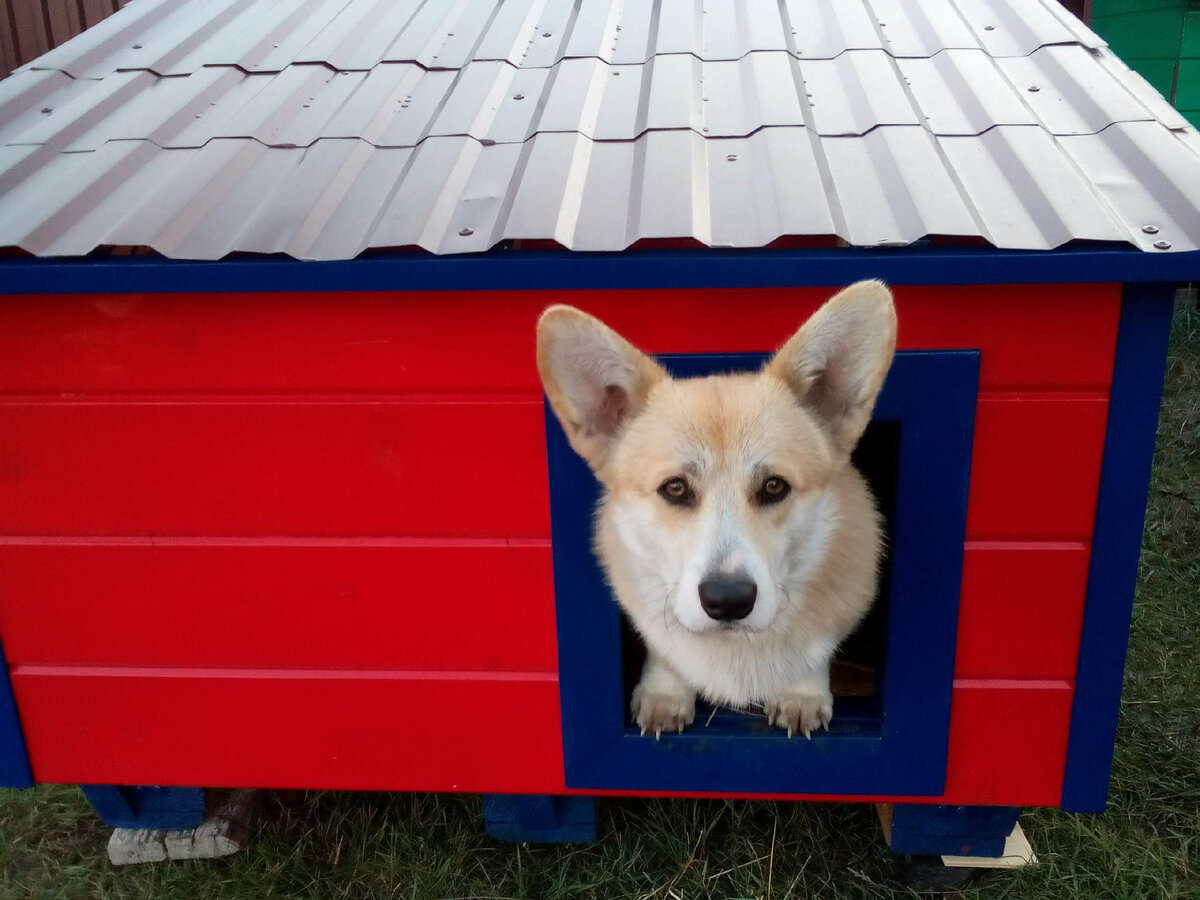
656	712
801	713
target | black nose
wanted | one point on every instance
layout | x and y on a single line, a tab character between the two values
727	597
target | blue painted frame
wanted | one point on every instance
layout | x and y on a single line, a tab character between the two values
932	394
1138	370
14	760
507	269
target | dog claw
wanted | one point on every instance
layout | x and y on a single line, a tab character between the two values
658	733
790	731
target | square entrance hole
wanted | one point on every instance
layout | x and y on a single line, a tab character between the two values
856	677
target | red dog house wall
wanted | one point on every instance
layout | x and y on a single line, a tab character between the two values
255	513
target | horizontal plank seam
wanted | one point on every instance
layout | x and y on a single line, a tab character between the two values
43	670
332	398
423	543
1032	544
430	398
1004	684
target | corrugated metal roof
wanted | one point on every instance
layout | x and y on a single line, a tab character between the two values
322	128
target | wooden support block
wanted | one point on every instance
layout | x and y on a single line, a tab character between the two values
1017	852
224	832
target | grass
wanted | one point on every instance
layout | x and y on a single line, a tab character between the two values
343	845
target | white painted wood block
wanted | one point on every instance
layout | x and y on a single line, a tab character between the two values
225	831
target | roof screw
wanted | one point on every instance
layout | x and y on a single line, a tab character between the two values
616	73
732	157
47	109
1150	229
989	27
137	46
466	232
518	96
1033	89
545	34
1162	245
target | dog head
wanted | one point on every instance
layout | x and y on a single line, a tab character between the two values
715	488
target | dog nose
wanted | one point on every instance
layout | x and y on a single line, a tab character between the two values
727	597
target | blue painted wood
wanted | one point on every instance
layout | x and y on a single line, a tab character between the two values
505	269
539	819
933	830
902	752
14	760
122	806
1116	542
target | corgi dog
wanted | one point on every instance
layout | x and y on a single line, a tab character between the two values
733	529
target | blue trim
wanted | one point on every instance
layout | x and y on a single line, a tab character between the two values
539	819
1116	542
504	269
932	830
14	760
164	808
932	395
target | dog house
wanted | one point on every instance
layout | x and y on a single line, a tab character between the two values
281	506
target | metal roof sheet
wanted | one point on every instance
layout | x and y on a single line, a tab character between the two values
322	128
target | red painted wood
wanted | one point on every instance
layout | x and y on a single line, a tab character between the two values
278	468
1008	742
1047	335
431	731
301	604
419	604
394	467
1035	471
1021	610
351	730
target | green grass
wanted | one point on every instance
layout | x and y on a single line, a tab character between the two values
341	845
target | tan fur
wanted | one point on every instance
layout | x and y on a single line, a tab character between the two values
814	556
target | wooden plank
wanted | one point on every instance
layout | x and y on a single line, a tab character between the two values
10	57
1035	471
1021	610
96	10
1008	742
422	604
63	16
415	731
31	34
346	730
405	467
347	467
303	604
1035	335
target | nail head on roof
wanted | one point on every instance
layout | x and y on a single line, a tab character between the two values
1033	89
47	109
1163	245
466	232
732	157
989	27
518	96
1150	229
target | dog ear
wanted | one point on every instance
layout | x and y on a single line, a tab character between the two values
838	359
595	379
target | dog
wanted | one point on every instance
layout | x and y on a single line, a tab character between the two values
734	531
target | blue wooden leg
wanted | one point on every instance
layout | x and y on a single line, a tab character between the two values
540	819
165	808
951	830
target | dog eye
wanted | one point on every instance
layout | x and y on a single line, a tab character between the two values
677	492
773	490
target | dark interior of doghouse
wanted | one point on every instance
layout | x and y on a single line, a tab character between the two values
858	667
